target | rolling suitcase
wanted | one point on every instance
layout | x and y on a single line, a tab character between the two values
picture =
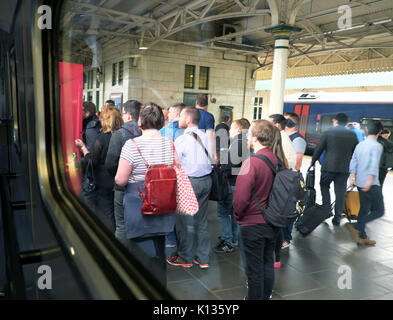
313	214
310	191
352	204
312	217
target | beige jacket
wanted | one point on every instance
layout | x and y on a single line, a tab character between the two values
289	150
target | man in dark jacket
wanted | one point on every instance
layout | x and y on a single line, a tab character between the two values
339	144
231	164
221	133
387	155
91	124
129	130
91	130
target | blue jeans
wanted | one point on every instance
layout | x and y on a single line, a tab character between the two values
287	233
229	226
371	208
154	255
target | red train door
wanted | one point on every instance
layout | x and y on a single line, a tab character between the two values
71	96
303	111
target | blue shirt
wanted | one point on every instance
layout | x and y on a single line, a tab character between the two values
172	130
207	121
365	161
192	155
359	134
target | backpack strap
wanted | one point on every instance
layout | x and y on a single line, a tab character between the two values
267	161
270	165
196	137
139	150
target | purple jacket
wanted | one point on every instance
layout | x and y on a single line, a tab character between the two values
254	175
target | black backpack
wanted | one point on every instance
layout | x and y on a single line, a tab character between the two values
287	194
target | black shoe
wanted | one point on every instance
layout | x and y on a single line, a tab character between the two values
223	247
336	222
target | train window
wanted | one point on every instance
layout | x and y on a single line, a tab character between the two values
387	124
326	122
110	51
303	123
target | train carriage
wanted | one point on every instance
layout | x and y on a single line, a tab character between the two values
317	109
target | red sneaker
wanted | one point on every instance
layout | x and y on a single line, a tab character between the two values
277	265
178	262
201	265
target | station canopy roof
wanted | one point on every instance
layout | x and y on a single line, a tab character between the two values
362	29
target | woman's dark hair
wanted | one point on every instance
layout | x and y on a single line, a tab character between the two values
385	131
89	106
151	116
279	118
277	147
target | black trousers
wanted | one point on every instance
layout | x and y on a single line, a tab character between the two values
151	252
340	187
382	175
101	203
258	244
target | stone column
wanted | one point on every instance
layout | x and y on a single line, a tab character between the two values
281	46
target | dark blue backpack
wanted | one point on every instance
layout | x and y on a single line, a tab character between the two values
286	196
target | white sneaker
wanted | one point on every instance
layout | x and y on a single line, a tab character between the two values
285	244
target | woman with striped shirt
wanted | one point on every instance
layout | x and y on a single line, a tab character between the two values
147	232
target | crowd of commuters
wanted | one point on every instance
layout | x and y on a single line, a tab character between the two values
121	147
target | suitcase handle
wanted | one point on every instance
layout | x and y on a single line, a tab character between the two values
350	188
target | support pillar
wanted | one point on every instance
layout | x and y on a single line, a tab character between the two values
281	48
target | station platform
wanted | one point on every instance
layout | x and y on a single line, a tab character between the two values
309	267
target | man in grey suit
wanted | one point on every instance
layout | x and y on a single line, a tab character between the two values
339	144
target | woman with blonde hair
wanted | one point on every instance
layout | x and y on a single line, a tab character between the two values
101	198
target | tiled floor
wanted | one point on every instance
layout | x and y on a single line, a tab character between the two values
309	268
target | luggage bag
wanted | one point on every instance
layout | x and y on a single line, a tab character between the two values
352	204
312	217
313	214
310	190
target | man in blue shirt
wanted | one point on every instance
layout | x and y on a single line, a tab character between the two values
364	170
172	130
206	124
192	230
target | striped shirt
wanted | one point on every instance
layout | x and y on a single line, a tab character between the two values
154	150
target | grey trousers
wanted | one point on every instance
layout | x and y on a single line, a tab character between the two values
192	230
120	231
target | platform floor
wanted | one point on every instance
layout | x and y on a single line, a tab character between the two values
309	268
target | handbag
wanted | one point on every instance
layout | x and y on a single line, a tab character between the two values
89	182
187	203
220	183
160	188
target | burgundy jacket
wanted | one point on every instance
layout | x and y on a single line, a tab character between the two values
254	175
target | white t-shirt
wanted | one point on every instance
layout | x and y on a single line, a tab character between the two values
154	150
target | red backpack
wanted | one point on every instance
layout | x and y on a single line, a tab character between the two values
160	187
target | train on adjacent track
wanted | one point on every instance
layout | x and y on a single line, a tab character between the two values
317	109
